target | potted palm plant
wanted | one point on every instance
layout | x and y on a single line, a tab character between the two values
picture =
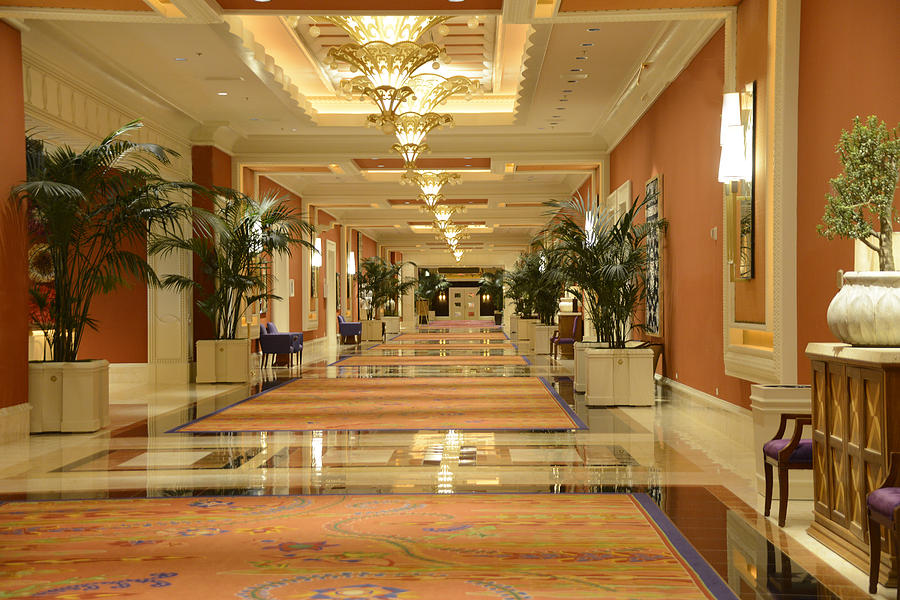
85	209
523	284
606	258
491	285
232	241
428	286
866	310
380	283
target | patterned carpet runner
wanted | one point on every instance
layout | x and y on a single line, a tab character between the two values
396	403
420	361
459	547
458	323
473	345
451	335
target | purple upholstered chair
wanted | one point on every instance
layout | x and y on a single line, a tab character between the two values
785	454
349	329
556	341
272	342
883	508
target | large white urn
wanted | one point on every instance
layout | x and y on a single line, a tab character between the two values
866	310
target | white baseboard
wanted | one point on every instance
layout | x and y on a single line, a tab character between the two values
716	413
15	423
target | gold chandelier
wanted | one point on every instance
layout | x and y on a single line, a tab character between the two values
431	200
430	182
458	254
442	213
390	29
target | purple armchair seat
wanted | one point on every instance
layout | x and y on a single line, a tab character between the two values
272	342
556	341
349	329
883	508
784	454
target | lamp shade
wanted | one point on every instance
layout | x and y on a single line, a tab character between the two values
316	258
351	263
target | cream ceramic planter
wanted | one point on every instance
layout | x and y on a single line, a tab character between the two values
580	378
371	330
513	325
542	335
70	397
391	325
767	403
619	377
223	361
866	310
525	341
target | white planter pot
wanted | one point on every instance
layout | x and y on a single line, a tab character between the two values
542	335
866	310
619	377
525	340
223	361
391	325
580	378
513	325
371	330
767	403
68	396
431	316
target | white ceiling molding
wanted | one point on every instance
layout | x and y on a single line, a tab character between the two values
532	61
264	67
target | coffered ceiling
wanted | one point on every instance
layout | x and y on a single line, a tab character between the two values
562	81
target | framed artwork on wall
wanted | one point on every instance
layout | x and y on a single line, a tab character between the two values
653	317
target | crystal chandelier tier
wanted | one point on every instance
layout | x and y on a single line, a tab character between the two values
385	64
430	182
458	254
431	200
442	213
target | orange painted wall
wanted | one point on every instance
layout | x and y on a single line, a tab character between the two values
752	59
209	167
849	53
679	138
121	335
13	282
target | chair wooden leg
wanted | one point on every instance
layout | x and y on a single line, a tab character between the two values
783	495
767	469
874	554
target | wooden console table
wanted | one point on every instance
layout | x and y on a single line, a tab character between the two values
856	425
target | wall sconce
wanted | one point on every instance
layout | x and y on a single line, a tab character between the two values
351	264
486	297
316	258
736	161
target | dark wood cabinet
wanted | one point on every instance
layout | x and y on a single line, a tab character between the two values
856	425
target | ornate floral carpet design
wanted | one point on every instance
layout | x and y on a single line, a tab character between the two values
473	345
396	403
505	547
452	335
437	360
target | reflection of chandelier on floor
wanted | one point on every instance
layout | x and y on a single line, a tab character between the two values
387	55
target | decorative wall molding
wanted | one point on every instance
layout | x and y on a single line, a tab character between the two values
532	60
15	423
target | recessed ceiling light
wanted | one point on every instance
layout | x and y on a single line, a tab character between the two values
254	118
467	158
179	59
221	93
455	0
560	108
575	70
593	29
567	91
380	165
563	99
581	58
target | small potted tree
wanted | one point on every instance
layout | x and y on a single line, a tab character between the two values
523	283
381	283
491	285
866	310
428	287
231	241
606	258
85	209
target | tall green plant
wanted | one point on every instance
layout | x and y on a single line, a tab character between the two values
430	285
533	287
85	209
606	258
230	243
864	192
491	283
381	282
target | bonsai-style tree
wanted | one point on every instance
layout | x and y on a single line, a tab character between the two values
607	259
85	209
381	283
231	241
864	193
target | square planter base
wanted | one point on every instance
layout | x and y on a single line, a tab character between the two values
68	397
223	361
619	377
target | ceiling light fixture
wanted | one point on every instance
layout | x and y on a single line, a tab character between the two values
430	182
221	93
388	29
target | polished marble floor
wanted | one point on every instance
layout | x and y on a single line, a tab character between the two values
698	468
